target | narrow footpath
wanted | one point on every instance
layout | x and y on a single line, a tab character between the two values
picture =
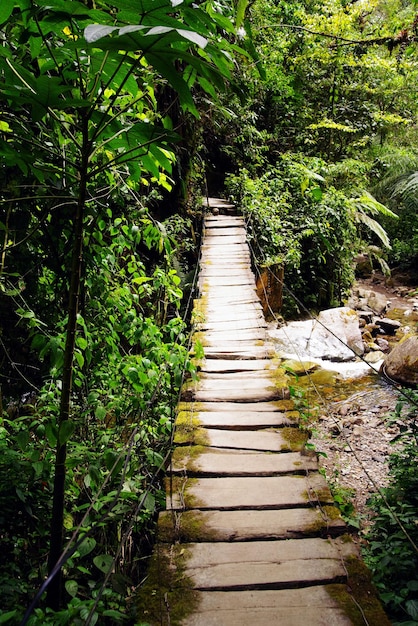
250	535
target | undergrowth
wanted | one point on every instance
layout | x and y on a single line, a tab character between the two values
391	551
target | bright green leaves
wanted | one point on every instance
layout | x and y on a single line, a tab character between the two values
6	9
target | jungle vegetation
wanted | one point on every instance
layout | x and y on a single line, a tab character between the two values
116	117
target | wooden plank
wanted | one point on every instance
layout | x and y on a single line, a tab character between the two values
250	525
243	324
219	366
261	440
206	282
242	380
213	306
220	462
315	606
244	420
266	564
231	290
238	407
224	240
240	377
237	269
236	395
252	492
221	230
236	351
218	337
239	314
223	251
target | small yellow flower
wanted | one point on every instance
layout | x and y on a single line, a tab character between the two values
69	34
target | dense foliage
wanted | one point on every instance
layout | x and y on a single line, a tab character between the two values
89	285
111	126
392	548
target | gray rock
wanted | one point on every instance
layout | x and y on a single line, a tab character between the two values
374	357
383	344
367	301
377	303
344	324
402	363
367	316
334	336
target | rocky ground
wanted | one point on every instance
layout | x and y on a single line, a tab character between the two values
353	429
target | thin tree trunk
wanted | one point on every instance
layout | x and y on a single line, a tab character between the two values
57	517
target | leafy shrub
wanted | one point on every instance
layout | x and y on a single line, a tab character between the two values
391	551
131	354
296	221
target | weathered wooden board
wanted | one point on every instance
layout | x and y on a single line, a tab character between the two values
218	337
225	240
223	252
243	324
270	608
218	366
266	564
244	420
236	395
237	407
262	440
220	462
221	230
235	269
252	492
250	525
215	307
231	291
239	318
228	221
235	351
238	376
207	282
242	380
230	296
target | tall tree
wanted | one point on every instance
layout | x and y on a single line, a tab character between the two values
79	85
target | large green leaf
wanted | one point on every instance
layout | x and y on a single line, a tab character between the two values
6	8
375	227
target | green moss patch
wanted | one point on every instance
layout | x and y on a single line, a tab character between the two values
359	592
295	438
184	527
183	454
293	416
284	405
167	597
179	486
191	434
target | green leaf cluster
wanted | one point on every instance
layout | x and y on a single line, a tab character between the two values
297	221
392	540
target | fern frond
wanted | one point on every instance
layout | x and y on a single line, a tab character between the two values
369	204
406	189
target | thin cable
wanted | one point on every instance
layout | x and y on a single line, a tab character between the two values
347	441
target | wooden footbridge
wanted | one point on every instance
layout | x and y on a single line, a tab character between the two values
250	535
